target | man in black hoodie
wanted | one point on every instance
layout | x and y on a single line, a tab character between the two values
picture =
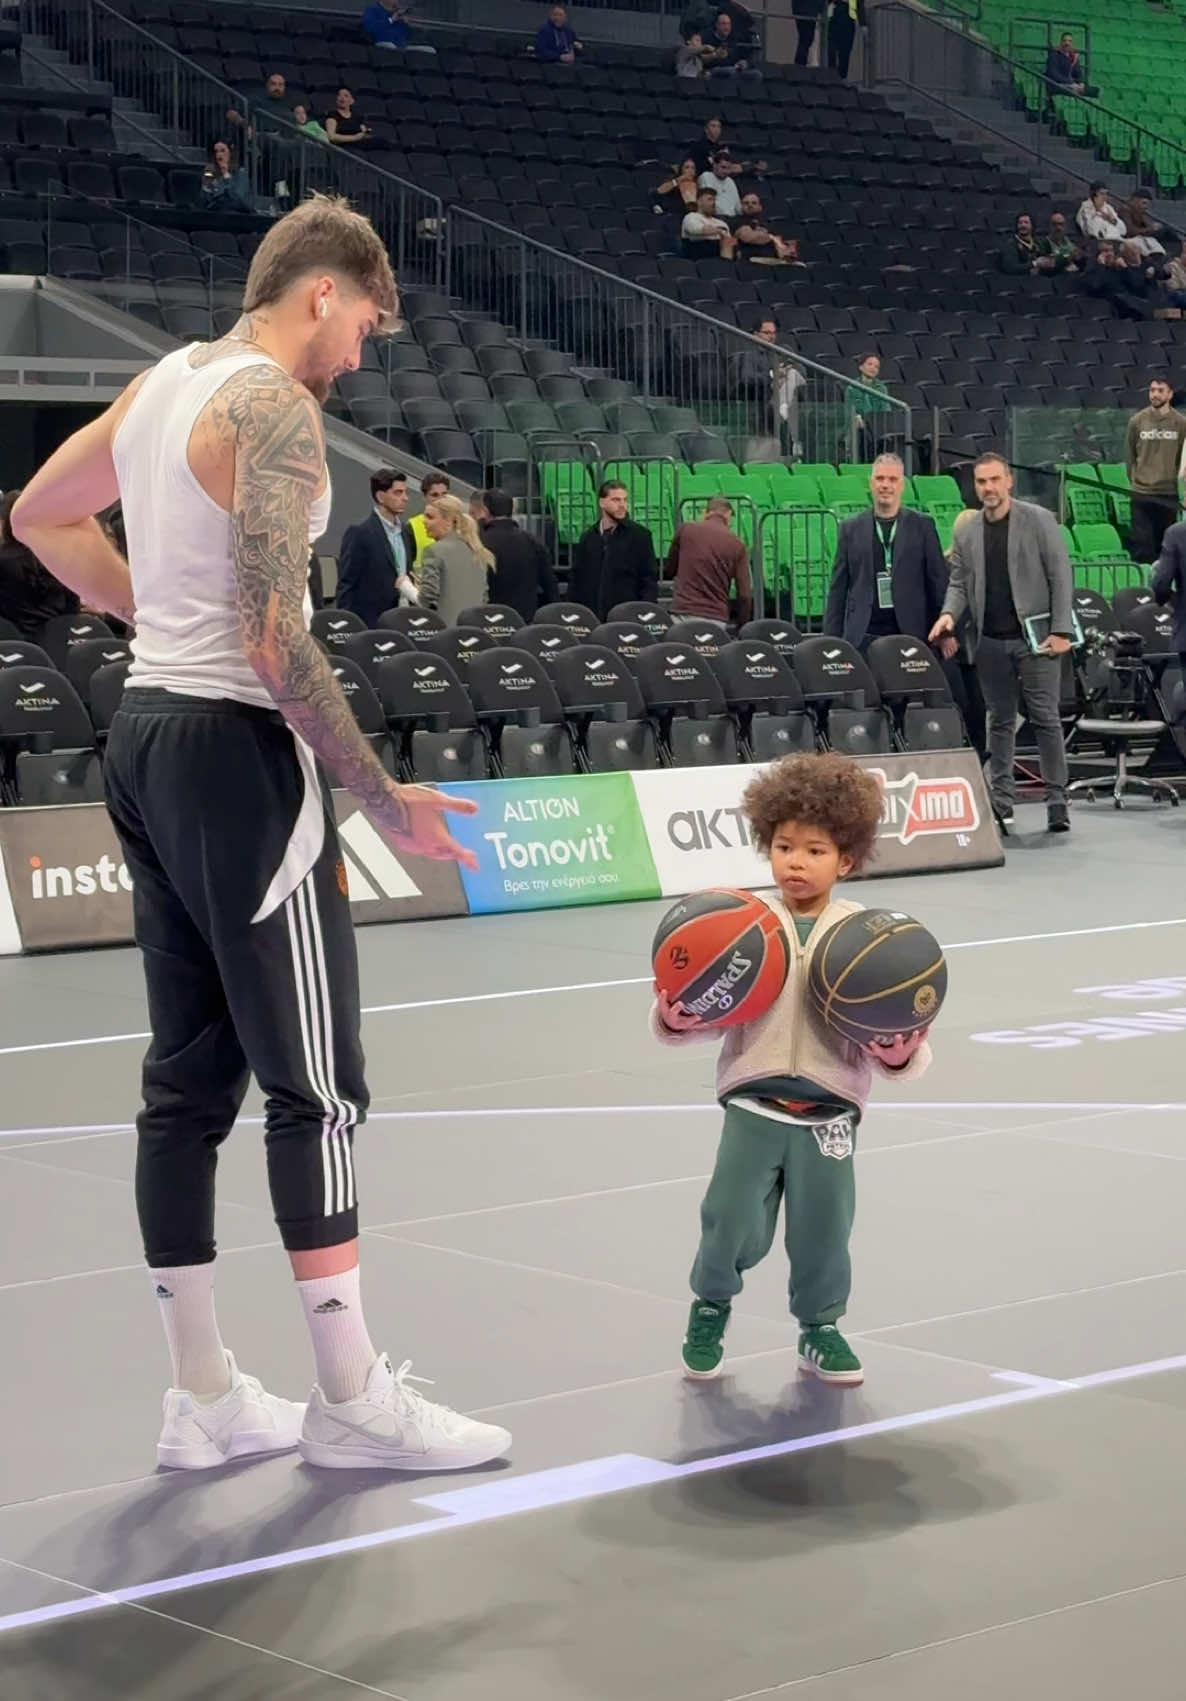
522	577
615	559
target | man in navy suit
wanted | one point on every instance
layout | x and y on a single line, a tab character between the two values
1169	583
889	575
376	558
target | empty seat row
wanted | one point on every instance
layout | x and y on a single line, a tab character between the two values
550	698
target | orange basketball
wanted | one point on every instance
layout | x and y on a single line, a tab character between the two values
723	955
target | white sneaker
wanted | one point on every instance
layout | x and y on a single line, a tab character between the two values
243	1423
390	1427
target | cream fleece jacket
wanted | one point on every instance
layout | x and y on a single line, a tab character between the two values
790	1040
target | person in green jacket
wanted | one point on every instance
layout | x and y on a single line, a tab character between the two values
863	402
306	125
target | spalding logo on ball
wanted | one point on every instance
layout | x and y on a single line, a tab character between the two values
877	973
723	955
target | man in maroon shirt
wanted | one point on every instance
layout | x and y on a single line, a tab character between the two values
705	560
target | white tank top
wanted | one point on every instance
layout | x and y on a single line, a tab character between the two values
188	637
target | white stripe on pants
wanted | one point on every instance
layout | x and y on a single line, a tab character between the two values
317	1040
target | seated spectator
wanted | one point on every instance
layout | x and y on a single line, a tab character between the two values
1057	245
684	184
866	402
306	125
1142	230
1098	217
1019	257
271	99
1175	283
1127	284
556	42
731	57
704	149
29	594
755	238
1065	71
225	187
703	229
385	24
722	182
456	566
343	126
691	56
432	486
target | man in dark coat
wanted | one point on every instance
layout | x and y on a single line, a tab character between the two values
1169	583
890	575
615	559
376	557
522	577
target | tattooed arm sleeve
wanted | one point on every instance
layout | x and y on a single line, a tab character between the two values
279	465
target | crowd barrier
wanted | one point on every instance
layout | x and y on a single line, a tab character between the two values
541	844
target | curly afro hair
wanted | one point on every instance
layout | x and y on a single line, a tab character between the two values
827	791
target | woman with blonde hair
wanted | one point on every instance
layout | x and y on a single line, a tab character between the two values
454	569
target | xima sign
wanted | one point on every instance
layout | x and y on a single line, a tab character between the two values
911	807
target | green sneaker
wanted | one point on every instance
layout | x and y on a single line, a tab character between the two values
703	1350
824	1352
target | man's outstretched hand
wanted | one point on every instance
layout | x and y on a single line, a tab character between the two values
426	832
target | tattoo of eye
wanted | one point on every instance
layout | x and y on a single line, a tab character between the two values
275	426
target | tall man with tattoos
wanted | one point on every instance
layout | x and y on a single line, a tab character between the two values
225	818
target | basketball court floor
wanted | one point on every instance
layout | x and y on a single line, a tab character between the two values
997	1512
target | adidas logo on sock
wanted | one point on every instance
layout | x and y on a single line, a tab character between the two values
331	1305
162	1292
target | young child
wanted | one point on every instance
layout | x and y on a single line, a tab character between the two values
793	1091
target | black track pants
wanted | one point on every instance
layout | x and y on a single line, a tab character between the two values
243	922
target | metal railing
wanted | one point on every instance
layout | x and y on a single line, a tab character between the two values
797	549
1031	38
106	46
688	373
140	268
288	166
947	64
282	164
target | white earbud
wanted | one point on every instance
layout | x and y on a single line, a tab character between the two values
321	308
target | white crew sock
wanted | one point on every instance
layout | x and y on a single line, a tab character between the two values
185	1294
341	1345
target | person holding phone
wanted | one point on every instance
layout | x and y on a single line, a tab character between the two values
1011	579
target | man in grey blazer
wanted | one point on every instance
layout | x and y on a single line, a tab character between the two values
1009	564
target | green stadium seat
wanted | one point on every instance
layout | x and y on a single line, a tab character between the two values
1098	542
568	493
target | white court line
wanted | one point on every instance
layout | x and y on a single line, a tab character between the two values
470	1113
630	980
504	1496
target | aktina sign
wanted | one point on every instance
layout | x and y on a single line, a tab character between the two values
935	816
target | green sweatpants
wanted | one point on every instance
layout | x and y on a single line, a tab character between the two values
759	1163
